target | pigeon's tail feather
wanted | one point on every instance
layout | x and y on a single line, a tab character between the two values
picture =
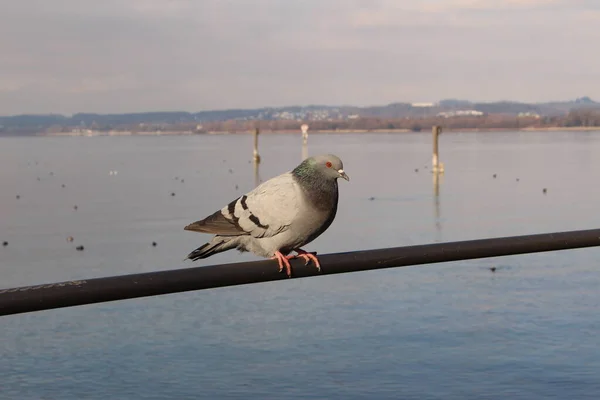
217	245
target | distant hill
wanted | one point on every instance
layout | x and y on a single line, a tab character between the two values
162	120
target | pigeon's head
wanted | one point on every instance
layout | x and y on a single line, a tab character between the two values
328	165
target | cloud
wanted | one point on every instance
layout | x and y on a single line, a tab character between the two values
138	55
490	5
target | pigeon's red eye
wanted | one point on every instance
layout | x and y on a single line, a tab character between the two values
328	164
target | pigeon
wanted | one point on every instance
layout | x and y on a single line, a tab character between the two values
280	215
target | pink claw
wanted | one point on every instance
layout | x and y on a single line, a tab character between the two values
308	257
283	260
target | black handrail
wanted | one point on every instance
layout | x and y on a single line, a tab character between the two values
74	293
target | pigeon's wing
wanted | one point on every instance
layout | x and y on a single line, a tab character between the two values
263	212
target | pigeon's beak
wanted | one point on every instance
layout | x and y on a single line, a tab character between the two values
343	175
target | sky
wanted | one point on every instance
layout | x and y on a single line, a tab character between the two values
117	56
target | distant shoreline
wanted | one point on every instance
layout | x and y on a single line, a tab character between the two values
322	131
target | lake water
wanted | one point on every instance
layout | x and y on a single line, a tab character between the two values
441	331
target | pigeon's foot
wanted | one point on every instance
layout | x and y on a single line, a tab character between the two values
308	257
283	260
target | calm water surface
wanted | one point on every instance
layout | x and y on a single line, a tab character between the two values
444	331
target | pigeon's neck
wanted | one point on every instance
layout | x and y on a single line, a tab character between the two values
322	193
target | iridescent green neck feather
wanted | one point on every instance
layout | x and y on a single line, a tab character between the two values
320	190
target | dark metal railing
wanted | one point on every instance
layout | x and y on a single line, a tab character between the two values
74	293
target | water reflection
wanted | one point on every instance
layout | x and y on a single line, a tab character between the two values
304	151
437	180
256	164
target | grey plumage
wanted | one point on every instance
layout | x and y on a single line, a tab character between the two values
279	216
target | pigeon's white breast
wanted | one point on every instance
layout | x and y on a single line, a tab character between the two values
306	222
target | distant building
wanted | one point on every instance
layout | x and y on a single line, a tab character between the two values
528	114
460	113
422	104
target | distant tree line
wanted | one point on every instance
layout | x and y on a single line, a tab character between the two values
362	124
583	117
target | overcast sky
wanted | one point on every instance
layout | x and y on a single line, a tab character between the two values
68	56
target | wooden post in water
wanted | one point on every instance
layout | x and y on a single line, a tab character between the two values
437	169
304	129
437	166
256	156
